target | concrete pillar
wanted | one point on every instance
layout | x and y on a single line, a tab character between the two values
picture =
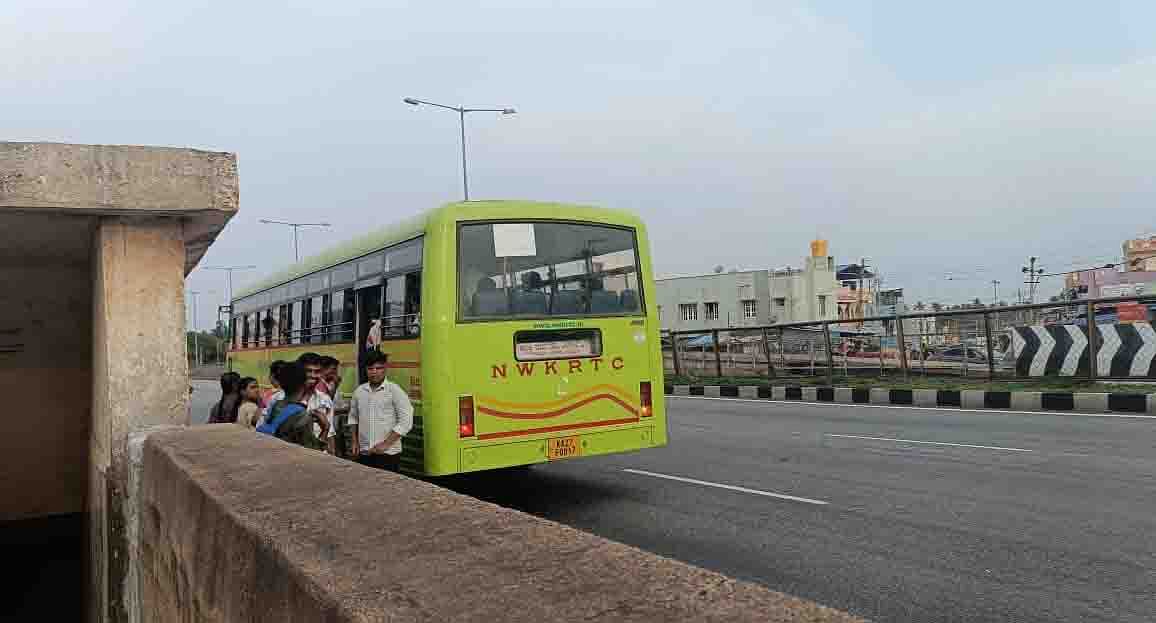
140	375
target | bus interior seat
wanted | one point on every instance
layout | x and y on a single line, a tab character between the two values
566	302
629	300
604	302
491	303
529	303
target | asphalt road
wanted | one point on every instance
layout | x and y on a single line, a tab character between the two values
205	395
1037	518
998	518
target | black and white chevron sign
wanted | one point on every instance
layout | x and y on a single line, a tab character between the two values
1125	350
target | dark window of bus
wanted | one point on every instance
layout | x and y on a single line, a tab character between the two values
268	326
342	313
317	318
297	326
393	312
413	304
283	327
547	269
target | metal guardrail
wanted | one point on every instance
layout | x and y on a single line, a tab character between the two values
970	342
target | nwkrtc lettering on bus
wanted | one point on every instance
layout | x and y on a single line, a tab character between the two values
548	368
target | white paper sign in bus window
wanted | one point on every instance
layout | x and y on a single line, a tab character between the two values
514	240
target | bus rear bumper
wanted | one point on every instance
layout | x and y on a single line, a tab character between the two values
510	454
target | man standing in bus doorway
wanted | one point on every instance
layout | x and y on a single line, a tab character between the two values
380	415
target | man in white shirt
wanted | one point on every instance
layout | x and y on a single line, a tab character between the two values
317	402
380	415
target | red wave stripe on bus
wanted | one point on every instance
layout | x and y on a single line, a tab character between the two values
557	412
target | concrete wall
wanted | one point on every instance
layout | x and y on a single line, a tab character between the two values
239	527
95	241
45	368
140	373
198	187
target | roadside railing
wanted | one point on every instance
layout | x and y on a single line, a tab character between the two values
1005	342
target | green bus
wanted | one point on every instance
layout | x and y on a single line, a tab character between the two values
524	332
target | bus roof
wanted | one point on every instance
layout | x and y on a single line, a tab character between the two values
414	226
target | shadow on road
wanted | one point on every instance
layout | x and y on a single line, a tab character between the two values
539	490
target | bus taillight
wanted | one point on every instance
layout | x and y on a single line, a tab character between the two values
644	395
466	416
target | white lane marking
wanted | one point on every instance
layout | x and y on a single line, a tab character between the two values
859	405
932	443
717	485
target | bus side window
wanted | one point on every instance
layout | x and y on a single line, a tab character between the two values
393	309
413	304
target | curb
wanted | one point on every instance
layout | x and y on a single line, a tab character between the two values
1072	402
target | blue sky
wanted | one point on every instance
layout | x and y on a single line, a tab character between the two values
934	138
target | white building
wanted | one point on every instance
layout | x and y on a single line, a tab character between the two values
750	298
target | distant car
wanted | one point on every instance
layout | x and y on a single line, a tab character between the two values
956	353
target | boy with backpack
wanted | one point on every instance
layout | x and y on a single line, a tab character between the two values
288	419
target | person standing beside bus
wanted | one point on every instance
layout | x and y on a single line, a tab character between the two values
225	410
316	400
339	443
380	415
250	410
288	419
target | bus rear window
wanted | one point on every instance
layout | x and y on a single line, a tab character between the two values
547	269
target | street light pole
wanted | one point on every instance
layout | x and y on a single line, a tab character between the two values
196	338
295	226
229	271
461	110
229	284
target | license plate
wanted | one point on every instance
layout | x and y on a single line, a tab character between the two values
563	448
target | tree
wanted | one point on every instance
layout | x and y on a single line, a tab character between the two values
977	302
937	307
919	306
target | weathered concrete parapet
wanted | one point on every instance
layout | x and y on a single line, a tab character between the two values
199	187
104	236
236	526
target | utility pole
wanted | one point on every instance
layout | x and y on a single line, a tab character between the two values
994	291
295	226
859	292
1032	277
461	110
229	283
196	338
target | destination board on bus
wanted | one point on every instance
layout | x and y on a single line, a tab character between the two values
561	349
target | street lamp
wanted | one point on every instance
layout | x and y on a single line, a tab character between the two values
462	121
196	334
229	270
1033	275
229	282
295	226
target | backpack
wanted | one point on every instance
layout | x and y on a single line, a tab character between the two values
278	415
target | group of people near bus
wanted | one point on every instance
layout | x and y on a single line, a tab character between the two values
303	405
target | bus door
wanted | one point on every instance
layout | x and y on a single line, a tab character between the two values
369	329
